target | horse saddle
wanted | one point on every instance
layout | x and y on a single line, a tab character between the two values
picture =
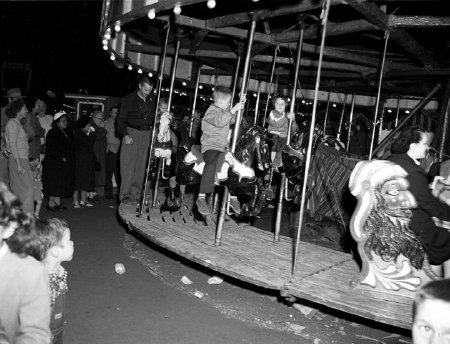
163	150
195	157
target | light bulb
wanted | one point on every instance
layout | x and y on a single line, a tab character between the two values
150	75
211	3
105	41
107	34
140	71
112	57
130	67
184	83
177	8
117	27
105	47
200	87
152	13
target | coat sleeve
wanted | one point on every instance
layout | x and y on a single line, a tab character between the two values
35	310
219	118
122	117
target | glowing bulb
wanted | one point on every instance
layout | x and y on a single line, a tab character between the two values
117	27
303	101
334	105
213	88
150	75
406	111
112	57
177	8
184	83
105	41
152	13
107	34
211	3
105	47
200	87
254	94
130	67
140	71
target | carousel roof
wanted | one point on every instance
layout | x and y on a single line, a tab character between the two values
417	33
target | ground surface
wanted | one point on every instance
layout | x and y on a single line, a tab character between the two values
149	303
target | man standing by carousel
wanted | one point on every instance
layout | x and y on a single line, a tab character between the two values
135	124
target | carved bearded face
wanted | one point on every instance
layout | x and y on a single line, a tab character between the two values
397	198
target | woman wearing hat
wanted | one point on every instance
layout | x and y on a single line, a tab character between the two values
84	139
57	174
21	179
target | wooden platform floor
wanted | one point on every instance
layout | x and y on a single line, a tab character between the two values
250	254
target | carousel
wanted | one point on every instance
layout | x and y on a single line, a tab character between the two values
384	62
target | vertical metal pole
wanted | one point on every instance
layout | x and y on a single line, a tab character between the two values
194	104
283	183
169	105
326	113
258	96
444	130
311	133
236	72
269	91
397	114
380	80
251	36
352	109
152	139
341	120
381	120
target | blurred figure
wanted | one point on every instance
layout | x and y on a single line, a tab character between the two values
431	314
35	144
100	148
113	144
35	165
58	163
84	139
359	141
20	176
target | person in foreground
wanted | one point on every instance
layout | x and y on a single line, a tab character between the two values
215	128
24	286
431	314
431	218
52	248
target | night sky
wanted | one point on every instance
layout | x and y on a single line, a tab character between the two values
60	40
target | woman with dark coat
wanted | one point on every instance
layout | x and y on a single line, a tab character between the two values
57	173
359	141
431	218
84	139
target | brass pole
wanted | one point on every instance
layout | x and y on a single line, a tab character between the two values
326	112
245	74
375	115
311	134
397	114
152	139
258	96
194	104
341	120
352	109
269	91
291	109
236	72
169	105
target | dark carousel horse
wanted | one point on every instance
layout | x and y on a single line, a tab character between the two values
242	172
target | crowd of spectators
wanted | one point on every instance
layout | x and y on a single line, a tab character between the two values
68	160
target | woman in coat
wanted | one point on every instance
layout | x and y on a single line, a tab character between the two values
57	173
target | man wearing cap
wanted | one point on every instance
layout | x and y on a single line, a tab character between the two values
12	94
135	124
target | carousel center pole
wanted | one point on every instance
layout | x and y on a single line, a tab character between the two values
311	133
349	133
283	183
169	105
152	139
194	103
380	80
269	91
246	72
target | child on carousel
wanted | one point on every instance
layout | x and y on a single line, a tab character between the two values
215	129
278	121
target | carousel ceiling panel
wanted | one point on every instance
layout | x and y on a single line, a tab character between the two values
418	48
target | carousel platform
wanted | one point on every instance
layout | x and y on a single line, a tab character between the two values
250	254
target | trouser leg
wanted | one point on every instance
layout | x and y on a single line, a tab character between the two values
211	159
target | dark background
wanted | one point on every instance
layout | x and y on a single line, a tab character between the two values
60	41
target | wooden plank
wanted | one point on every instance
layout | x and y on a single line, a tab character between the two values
417	21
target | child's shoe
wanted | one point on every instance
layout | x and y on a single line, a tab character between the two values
202	206
235	205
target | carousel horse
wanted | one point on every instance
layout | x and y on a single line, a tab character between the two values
392	256
241	172
163	144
